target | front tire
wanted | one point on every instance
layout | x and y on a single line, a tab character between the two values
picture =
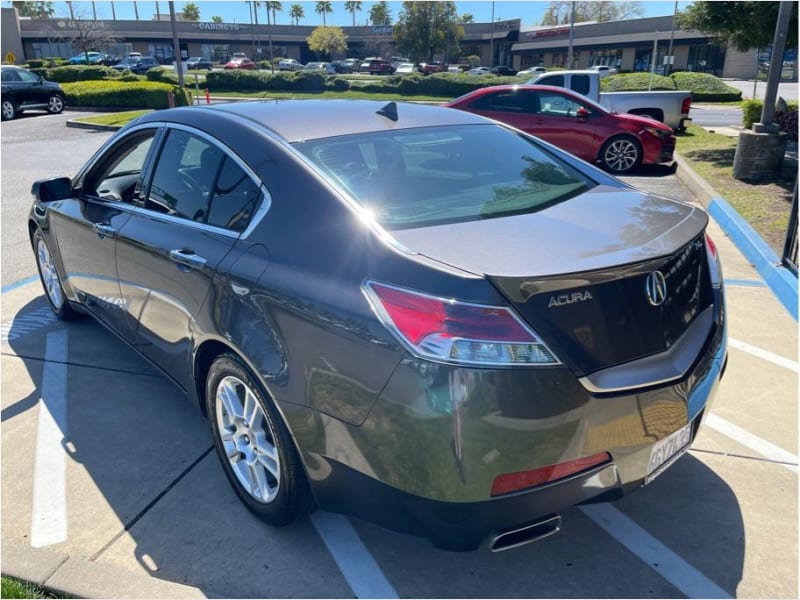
621	154
51	281
9	110
253	444
55	104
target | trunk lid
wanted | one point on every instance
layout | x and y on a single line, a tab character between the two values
578	271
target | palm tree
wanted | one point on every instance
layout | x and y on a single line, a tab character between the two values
191	12
275	7
467	18
352	7
113	12
296	13
216	19
324	7
136	10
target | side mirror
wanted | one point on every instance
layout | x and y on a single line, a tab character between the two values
48	190
582	113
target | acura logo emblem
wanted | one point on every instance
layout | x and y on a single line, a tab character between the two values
656	288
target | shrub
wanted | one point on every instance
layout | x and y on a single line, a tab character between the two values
635	82
785	119
70	74
35	63
128	76
117	94
162	74
705	87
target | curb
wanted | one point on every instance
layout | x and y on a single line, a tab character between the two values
92	126
782	283
67	575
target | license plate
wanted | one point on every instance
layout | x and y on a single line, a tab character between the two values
667	451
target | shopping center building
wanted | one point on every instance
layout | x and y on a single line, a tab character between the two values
628	45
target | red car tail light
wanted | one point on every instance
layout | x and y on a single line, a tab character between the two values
447	330
513	482
714	263
686	105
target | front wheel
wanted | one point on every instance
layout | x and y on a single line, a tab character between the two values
9	111
55	105
51	281
255	447
621	154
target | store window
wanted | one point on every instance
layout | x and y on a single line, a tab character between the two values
706	59
608	58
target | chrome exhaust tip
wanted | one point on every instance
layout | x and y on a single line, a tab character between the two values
519	536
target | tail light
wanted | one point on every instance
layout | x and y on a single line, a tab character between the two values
714	263
447	330
686	105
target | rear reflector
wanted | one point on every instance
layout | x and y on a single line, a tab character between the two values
513	482
448	330
686	105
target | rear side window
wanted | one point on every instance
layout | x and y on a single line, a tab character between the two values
234	199
505	101
10	75
422	177
580	84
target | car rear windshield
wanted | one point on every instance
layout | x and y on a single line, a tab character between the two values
436	175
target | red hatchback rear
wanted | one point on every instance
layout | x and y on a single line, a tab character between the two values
575	123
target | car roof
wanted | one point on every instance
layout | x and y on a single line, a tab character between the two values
298	120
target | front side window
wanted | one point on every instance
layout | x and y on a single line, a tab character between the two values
436	175
118	174
553	104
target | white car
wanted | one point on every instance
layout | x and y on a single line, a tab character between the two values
603	70
289	64
531	71
405	68
325	67
480	71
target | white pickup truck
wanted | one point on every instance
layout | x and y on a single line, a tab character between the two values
671	108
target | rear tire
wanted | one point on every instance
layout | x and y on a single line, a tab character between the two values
254	446
51	281
621	154
9	110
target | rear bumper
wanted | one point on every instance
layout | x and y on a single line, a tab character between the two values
424	460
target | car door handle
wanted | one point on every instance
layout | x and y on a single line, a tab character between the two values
187	258
103	230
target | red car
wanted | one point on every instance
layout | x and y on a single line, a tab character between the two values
240	63
574	123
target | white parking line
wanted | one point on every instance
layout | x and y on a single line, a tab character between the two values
357	565
49	512
755	443
764	354
664	561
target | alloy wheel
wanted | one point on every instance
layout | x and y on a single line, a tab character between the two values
248	439
55	105
52	283
8	110
621	155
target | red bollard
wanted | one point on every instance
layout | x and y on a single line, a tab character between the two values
208	97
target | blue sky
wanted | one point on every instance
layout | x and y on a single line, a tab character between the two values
237	11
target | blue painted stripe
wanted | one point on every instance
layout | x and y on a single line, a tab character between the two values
18	284
779	279
746	282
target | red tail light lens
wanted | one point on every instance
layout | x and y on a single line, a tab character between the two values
458	332
686	105
513	482
714	263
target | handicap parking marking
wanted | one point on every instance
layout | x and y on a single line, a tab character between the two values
27	322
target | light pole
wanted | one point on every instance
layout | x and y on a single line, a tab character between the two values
670	60
176	47
571	36
491	40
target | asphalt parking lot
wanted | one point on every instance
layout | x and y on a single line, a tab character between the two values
110	487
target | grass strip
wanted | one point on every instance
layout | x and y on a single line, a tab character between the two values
765	204
14	588
120	118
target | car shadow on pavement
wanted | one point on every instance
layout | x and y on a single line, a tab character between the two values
660	170
145	493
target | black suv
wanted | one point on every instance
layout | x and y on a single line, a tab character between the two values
22	90
198	62
502	70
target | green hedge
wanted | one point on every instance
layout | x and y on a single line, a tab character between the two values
162	74
635	82
705	87
142	94
785	119
77	73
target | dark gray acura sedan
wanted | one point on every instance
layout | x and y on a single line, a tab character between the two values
406	313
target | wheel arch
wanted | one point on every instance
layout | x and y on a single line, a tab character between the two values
656	113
